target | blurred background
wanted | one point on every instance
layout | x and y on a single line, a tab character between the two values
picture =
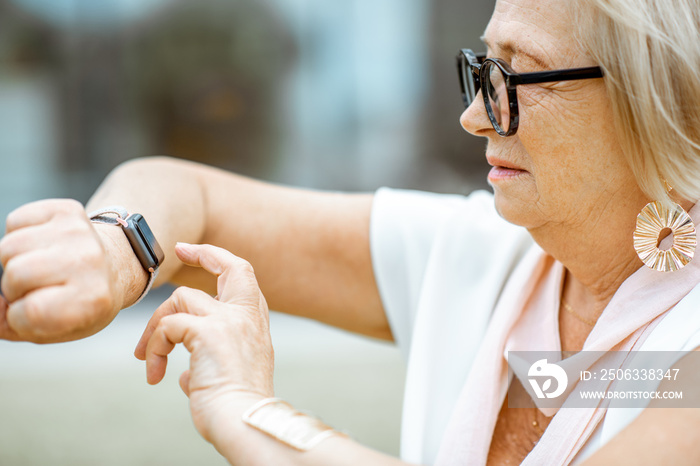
329	94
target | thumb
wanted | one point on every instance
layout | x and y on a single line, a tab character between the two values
185	382
6	333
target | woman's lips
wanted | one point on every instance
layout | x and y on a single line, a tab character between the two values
503	169
501	173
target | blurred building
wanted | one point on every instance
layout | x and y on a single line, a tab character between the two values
348	94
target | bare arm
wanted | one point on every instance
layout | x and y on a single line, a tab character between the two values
242	445
310	250
657	436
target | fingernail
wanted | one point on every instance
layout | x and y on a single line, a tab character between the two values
180	244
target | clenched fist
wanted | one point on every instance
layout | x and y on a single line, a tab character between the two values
61	273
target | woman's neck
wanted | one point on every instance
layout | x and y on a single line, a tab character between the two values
598	258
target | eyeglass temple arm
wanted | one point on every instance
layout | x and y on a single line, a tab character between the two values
557	75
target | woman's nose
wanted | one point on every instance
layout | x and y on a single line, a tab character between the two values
475	120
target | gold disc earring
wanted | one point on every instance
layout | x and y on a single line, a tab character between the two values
651	221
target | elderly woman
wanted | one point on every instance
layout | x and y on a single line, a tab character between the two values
591	109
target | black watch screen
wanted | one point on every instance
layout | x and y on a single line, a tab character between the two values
143	242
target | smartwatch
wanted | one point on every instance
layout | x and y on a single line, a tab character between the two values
140	237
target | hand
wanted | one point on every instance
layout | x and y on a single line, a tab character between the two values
228	337
59	280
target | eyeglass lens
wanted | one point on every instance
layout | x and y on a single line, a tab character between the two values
498	106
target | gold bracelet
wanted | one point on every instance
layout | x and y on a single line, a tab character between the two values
280	420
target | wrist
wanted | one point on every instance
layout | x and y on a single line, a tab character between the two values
248	424
129	277
226	430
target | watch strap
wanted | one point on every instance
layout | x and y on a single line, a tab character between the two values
151	278
117	215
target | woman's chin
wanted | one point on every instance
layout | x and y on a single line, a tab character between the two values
516	210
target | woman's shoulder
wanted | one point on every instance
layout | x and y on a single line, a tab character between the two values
679	330
676	335
438	203
415	228
421	210
429	247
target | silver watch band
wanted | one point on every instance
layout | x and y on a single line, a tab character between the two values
117	215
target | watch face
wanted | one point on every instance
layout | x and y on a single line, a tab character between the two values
143	242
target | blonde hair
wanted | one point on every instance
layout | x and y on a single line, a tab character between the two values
650	53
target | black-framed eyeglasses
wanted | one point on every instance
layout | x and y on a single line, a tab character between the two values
500	82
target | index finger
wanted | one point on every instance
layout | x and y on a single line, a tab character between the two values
236	281
170	331
183	300
39	212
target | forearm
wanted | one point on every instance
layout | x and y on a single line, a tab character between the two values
184	202
310	249
242	445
